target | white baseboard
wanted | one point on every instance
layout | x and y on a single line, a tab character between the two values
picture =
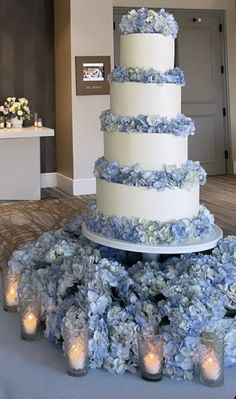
76	187
48	180
234	167
65	183
70	186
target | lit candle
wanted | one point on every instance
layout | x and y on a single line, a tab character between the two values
11	294
77	355
30	323
152	363
211	367
39	123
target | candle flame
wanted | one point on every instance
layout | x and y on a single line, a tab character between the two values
30	322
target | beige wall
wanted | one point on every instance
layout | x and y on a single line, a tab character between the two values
64	146
91	34
229	6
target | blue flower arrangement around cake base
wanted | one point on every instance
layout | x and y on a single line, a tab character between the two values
150	232
118	293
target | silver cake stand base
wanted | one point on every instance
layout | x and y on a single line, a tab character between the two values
150	251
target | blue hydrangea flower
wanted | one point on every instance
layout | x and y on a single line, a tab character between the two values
153	232
179	126
149	21
186	176
134	74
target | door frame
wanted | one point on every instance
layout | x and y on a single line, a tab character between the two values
225	77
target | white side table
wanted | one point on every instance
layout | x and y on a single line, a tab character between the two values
20	162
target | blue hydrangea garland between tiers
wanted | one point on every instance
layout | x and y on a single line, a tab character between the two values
149	231
149	21
134	74
186	176
118	294
180	126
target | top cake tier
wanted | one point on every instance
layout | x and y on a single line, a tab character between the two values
147	51
147	39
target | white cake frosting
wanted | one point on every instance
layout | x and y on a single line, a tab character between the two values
139	50
133	99
164	206
151	151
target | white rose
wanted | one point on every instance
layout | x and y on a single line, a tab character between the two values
23	100
8	99
20	113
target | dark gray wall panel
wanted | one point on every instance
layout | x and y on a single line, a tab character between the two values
27	62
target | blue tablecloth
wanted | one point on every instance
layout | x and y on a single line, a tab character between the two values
36	370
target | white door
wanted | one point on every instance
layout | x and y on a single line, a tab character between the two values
199	52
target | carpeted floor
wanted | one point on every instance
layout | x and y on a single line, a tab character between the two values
24	221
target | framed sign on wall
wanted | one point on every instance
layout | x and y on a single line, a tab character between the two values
91	75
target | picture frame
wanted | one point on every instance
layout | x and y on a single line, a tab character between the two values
91	75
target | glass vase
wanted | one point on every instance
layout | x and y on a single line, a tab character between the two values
211	359
76	349
10	282
2	122
151	359
16	122
30	318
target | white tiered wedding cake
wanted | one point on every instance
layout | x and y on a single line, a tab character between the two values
147	190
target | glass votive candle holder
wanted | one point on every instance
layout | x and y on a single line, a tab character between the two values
76	349
10	282
211	359
2	122
39	122
8	123
151	358
35	119
30	317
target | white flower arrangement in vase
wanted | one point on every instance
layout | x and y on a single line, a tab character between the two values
17	110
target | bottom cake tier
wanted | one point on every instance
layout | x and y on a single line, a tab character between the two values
150	204
153	232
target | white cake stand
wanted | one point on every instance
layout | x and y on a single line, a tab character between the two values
150	251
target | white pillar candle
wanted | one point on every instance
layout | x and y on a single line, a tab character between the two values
77	354
30	322
211	367
2	125
8	124
152	363
11	293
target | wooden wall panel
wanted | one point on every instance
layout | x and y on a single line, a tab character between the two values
27	62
